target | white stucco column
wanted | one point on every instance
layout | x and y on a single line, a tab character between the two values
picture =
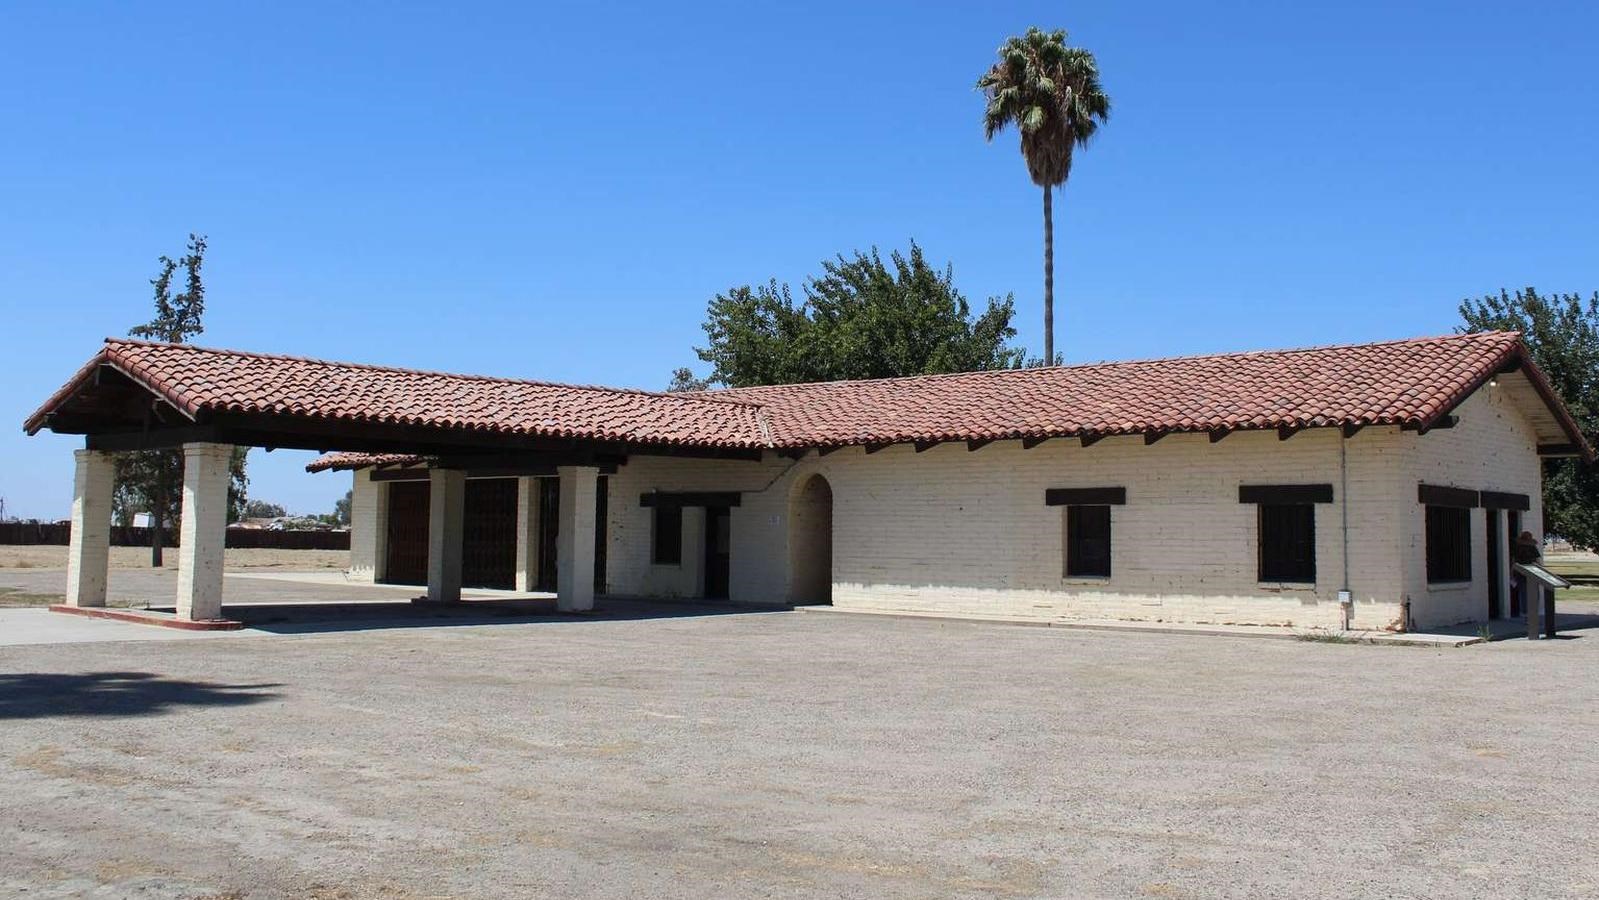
574	544
89	547
527	538
446	524
205	529
369	526
693	551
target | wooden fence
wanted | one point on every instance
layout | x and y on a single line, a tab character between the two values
59	533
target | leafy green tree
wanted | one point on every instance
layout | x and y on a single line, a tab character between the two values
861	317
152	480
1051	93
683	379
261	509
341	509
1562	333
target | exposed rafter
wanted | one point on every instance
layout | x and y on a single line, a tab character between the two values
1422	428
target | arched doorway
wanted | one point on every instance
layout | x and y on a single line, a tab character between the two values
810	542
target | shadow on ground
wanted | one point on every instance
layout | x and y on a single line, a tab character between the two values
322	617
35	695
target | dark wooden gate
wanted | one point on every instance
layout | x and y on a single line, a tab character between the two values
407	557
718	555
602	511
549	530
488	550
488	546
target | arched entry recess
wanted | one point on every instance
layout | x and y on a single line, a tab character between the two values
810	542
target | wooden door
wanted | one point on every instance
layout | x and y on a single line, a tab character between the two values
602	507
549	531
718	559
1517	584
488	540
406	561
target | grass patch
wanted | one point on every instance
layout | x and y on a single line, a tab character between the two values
12	598
1583	575
1327	637
17	598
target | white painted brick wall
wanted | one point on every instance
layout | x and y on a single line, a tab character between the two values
957	531
1493	448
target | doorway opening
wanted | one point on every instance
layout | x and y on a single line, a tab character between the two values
810	541
718	551
1495	598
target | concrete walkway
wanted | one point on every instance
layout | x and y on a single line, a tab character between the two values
20	627
1456	636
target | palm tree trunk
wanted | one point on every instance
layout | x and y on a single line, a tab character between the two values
1049	277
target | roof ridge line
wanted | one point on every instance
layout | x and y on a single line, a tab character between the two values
1142	361
405	370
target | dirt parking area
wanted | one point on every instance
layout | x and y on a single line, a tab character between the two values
13	556
791	754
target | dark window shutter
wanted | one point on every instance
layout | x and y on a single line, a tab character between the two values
1088	541
668	547
1287	542
1448	544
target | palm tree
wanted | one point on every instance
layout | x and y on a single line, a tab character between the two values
1051	93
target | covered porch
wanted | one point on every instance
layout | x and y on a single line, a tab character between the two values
204	403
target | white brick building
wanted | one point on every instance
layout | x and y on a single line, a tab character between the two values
1374	486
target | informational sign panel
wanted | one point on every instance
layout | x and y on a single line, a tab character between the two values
1538	573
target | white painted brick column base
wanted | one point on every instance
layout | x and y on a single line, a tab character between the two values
204	531
369	526
446	526
89	553
574	544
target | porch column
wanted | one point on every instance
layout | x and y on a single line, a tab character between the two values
693	550
204	530
574	545
446	524
89	550
527	500
369	526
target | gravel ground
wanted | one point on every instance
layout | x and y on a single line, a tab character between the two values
13	556
790	754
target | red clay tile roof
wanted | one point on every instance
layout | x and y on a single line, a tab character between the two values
1413	382
197	380
343	461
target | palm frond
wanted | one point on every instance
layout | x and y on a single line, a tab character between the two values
1051	92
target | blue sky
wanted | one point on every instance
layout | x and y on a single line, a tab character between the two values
556	192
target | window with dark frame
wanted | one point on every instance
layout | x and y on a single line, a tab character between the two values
1448	544
1087	527
1287	542
668	535
1088	541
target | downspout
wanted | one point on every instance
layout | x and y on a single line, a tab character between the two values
1346	599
